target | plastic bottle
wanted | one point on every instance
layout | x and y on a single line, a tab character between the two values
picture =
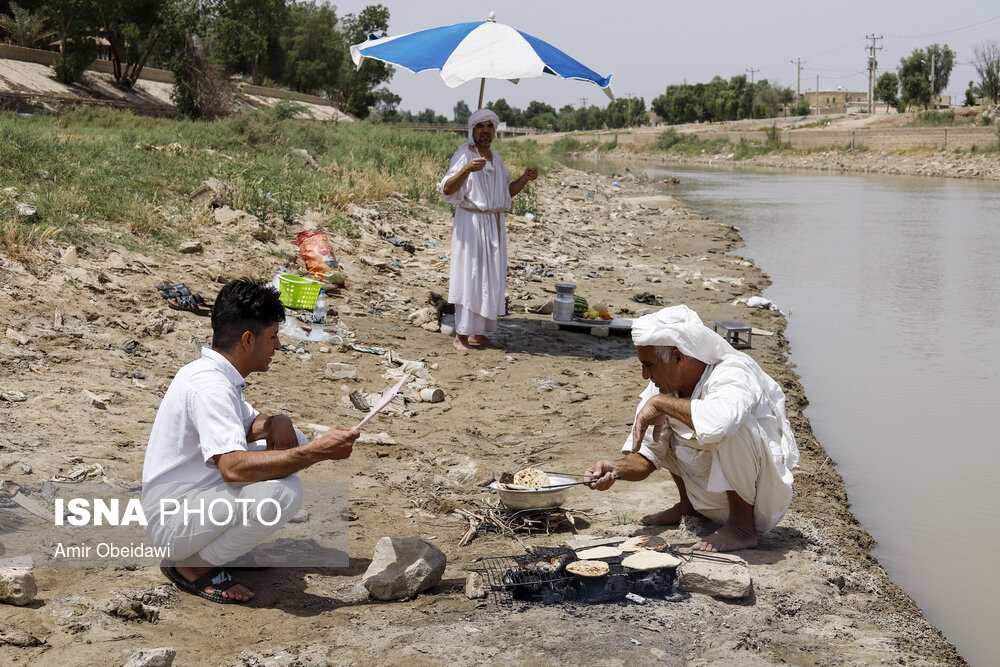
319	310
319	319
277	278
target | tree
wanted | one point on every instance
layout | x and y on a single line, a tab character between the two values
77	47
986	59
24	27
355	85
311	48
132	28
505	112
887	89
199	88
916	86
386	103
243	32
461	112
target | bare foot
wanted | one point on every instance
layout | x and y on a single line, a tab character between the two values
730	537
235	592
669	517
461	343
484	341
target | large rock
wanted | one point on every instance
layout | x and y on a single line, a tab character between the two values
402	567
724	576
151	657
211	193
17	586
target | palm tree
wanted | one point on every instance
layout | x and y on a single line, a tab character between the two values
24	28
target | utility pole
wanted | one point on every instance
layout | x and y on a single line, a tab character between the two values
583	102
628	121
798	78
752	70
872	68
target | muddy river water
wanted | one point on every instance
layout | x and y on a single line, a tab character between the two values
892	290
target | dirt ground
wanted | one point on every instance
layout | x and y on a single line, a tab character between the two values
554	398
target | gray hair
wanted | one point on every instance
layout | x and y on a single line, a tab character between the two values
664	352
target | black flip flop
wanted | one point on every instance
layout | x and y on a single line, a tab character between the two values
217	578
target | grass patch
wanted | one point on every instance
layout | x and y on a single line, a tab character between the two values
102	175
932	118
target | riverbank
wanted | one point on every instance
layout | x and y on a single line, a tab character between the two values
551	398
912	162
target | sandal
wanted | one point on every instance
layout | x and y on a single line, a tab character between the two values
179	297
218	579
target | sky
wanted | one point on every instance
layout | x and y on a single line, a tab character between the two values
650	44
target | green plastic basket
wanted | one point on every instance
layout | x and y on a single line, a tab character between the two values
298	292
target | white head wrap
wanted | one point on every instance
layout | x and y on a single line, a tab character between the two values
479	116
680	327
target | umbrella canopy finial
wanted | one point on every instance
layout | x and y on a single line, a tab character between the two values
492	18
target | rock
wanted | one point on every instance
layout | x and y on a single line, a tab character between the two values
402	567
16	336
190	247
150	657
20	638
476	586
336	370
17	586
95	400
545	308
210	193
719	579
13	397
69	256
309	160
423	316
380	438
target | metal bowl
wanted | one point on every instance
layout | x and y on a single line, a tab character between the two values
536	499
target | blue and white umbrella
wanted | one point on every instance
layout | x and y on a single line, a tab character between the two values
478	50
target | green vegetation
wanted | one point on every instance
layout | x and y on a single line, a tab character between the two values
106	176
721	100
689	144
937	119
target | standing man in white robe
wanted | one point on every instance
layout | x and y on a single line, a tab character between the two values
479	186
718	425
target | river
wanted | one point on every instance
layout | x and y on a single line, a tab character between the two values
892	290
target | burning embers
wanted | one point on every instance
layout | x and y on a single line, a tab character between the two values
541	575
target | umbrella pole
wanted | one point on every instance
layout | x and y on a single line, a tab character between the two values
482	87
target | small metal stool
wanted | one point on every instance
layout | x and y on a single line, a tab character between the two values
735	332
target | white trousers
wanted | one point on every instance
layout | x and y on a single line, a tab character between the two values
225	532
732	464
469	323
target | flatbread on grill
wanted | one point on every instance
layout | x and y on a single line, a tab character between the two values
529	479
588	568
633	544
598	552
646	559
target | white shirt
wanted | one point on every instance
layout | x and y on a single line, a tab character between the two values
202	414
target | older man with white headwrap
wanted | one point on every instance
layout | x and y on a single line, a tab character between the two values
718	425
479	186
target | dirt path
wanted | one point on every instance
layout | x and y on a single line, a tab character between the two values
556	398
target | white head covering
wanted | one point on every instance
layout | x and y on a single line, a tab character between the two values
680	327
479	116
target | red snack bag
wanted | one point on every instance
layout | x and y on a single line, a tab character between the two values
316	250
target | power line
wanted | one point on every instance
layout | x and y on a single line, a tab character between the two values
949	32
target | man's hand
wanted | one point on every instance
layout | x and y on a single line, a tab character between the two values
476	165
281	433
601	475
648	416
530	174
337	443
